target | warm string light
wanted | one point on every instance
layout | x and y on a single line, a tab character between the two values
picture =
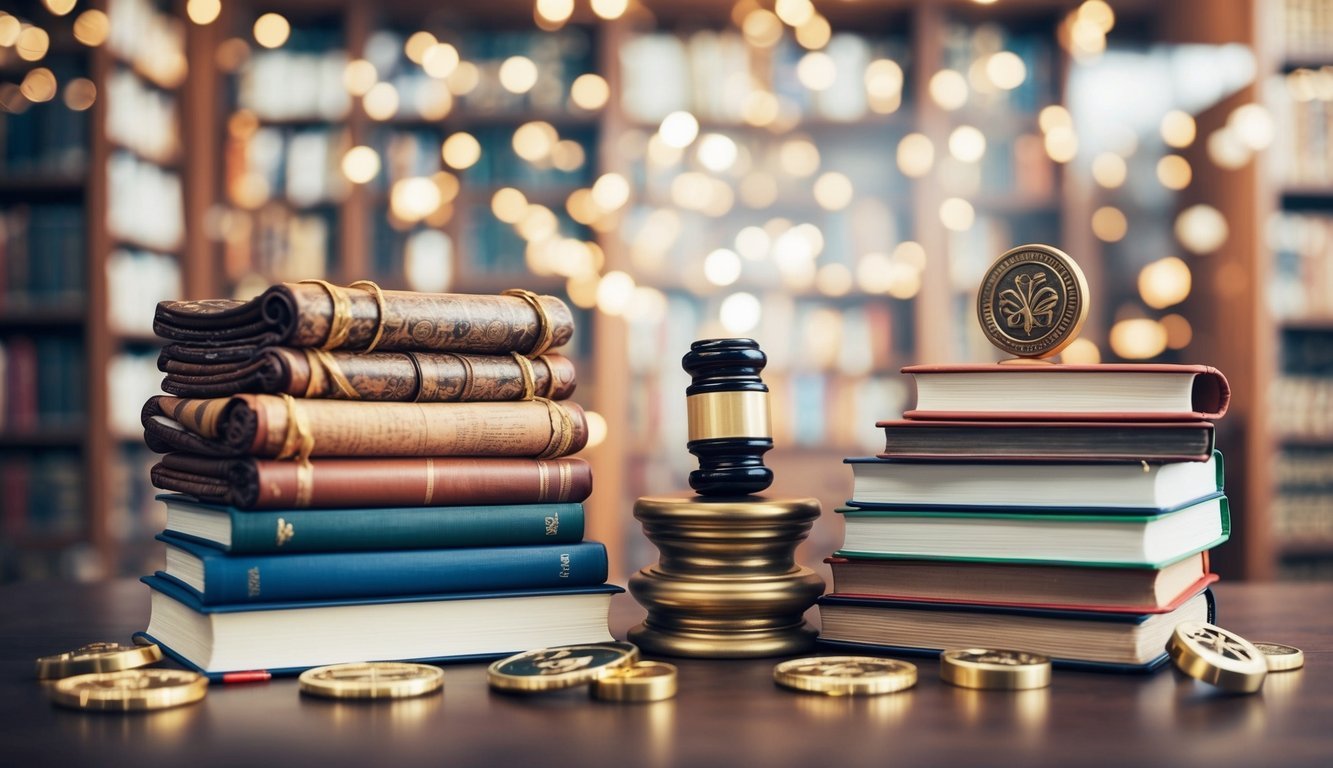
272	30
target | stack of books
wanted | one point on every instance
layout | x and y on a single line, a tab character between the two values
1058	509
406	503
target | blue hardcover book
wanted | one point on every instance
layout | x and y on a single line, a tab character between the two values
217	578
233	642
1092	640
338	530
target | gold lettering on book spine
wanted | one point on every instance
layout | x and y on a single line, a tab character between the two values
285	532
430	481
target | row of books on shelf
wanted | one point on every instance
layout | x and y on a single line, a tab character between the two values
43	493
43	254
1304	516
294	84
1306	28
301	165
282	244
968	51
145	203
1302	280
141	117
1066	510
150	39
42	383
47	139
136	281
1303	151
1302	407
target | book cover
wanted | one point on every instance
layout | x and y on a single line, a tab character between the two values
331	530
1047	441
1107	391
218	578
298	624
1143	488
1089	540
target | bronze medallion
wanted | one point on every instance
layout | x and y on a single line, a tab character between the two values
1033	301
372	680
130	690
995	669
845	675
1218	657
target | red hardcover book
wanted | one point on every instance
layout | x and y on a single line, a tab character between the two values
1041	391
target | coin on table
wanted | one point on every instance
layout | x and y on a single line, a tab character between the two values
1218	657
845	675
130	690
1281	658
372	680
641	681
1033	301
97	657
995	669
550	669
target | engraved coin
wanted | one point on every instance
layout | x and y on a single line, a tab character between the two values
550	669
1218	657
1033	301
97	657
130	690
642	681
1281	658
845	675
373	680
995	669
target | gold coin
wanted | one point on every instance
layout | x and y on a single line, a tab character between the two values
1033	301
130	690
550	669
640	682
995	669
1217	656
97	657
1281	658
845	675
372	680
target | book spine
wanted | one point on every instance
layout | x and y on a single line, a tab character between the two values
331	530
266	578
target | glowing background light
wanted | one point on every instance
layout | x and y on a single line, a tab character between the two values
360	164
461	150
272	30
1164	282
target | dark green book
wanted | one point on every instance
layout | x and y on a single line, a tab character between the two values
335	530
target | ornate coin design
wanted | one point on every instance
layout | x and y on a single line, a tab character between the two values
130	690
1033	301
845	675
374	680
995	669
642	681
550	669
1218	657
1281	658
97	657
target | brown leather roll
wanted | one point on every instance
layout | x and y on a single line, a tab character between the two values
249	483
386	376
359	318
272	426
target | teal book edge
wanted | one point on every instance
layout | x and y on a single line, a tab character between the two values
248	579
1223	506
1055	514
334	530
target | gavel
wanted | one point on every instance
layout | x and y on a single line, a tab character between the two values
729	424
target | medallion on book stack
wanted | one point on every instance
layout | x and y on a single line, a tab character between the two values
363	474
727	584
1065	510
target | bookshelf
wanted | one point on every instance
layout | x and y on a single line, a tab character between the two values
1297	188
277	184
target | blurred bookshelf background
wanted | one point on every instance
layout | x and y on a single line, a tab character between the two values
829	177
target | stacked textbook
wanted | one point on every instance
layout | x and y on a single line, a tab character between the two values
358	474
1058	509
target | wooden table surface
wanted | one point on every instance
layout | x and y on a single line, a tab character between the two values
728	712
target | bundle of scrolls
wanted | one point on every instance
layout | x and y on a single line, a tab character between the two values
317	395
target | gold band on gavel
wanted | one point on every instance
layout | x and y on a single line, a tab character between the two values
714	415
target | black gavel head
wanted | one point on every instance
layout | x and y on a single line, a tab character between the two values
729	427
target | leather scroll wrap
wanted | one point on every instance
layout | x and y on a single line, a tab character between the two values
362	318
386	376
249	483
269	426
